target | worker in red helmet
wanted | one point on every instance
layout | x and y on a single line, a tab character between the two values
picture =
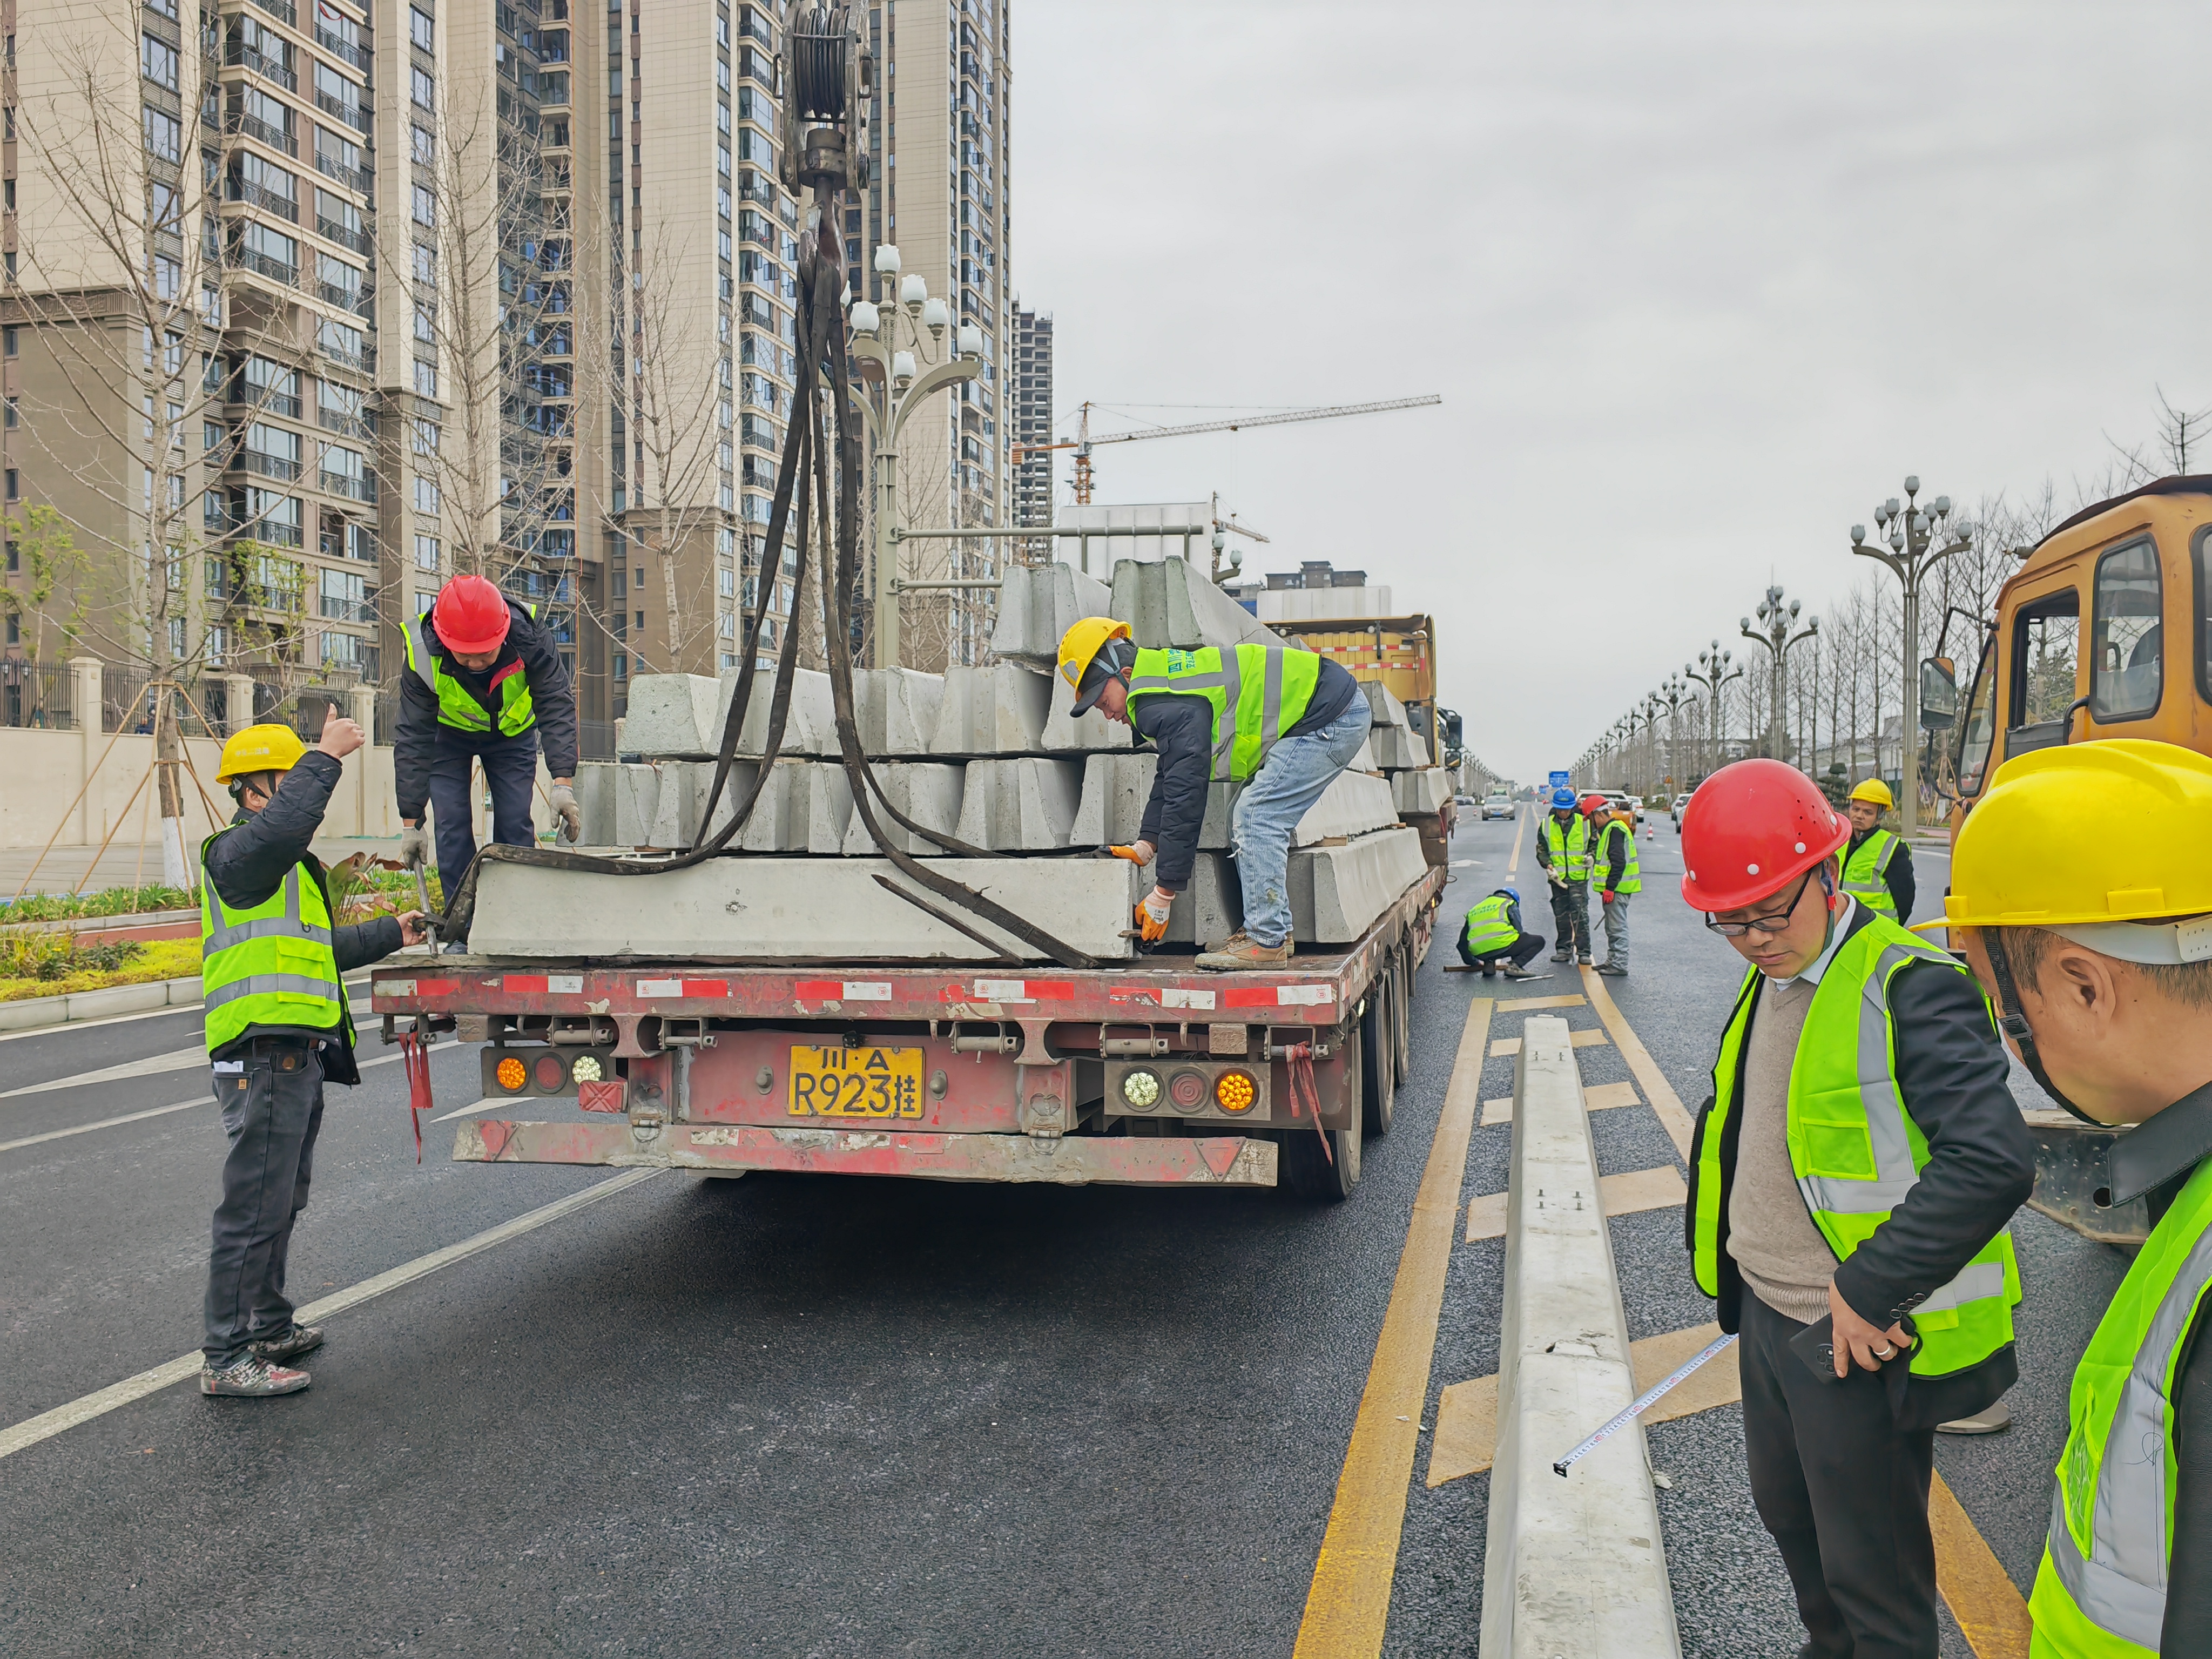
1851	1181
484	682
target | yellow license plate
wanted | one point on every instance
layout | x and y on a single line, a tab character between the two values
869	1083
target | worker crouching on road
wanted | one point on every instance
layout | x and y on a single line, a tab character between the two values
1289	721
1877	865
1492	939
2098	948
483	681
1619	877
278	1027
1857	1162
1563	848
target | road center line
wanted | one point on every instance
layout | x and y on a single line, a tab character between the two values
1349	1603
1519	830
46	1425
1660	1092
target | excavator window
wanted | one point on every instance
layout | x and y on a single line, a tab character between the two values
2203	560
1979	727
2045	643
2127	640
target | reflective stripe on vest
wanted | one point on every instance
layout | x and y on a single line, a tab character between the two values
456	707
1631	873
2101	1588
1488	930
1854	1148
271	966
1268	686
1864	872
1571	856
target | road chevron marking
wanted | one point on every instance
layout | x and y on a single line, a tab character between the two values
1349	1603
46	1425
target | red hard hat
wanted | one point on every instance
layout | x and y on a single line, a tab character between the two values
1590	804
1750	830
471	615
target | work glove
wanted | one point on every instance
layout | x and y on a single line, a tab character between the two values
413	845
1138	853
1152	916
1605	895
562	798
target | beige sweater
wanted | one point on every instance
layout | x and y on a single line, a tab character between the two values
1785	1261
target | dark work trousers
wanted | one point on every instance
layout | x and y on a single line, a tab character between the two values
1571	911
510	767
272	1110
1845	1493
1522	952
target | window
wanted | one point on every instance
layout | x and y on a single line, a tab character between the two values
426	496
2127	640
426	207
157	61
337	340
621	666
425	147
338	156
8	341
165	135
421	30
341	282
276	443
343	597
426	553
426	264
2046	634
424	90
426	378
341	650
426	322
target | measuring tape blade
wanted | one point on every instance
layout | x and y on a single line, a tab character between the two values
1643	1403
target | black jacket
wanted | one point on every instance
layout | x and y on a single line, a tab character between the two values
246	864
1952	1072
530	650
1897	876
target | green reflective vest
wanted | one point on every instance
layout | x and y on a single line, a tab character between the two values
1631	873
1854	1148
456	706
2101	1589
271	966
1864	872
1570	850
1488	931
1266	686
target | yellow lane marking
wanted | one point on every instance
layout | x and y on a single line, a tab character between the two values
1990	1610
1519	830
1596	1099
1349	1603
1523	1005
1664	1100
1508	1046
1626	1193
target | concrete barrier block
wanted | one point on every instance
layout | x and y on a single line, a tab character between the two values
1166	602
675	821
1572	1565
1397	750
1000	710
122	1000
804	806
1387	709
1337	892
1207	911
636	790
672	716
1353	804
1111	808
1363	759
1038	604
809	728
897	709
1020	806
1423	792
1066	732
927	792
595	799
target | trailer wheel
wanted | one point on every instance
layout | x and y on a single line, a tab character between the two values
1402	1011
1378	1050
1302	1168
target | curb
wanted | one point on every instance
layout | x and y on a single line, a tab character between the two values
1573	1565
31	1013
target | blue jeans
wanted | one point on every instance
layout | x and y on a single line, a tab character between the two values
1296	772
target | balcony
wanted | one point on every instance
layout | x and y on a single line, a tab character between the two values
246	259
252	126
359	489
359	362
339	48
346	426
331	231
269	200
268	465
243	57
354	115
282	10
359	178
356	300
269	401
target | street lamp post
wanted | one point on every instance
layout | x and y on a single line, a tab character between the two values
1914	533
892	393
1713	672
1775	620
1674	694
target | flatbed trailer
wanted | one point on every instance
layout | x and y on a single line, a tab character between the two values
1153	1073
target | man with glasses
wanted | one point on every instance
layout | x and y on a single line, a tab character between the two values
1853	1170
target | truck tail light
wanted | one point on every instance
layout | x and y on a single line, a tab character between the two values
1235	1092
1141	1090
1188	1090
512	1075
550	1073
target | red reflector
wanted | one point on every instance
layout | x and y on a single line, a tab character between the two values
605	1096
550	1071
819	990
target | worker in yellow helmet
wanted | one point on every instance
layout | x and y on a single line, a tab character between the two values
1877	865
1284	723
278	1027
2098	949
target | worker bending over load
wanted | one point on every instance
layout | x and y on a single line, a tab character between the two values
1288	721
1619	877
1492	939
1878	867
2098	948
1850	1180
1563	848
484	682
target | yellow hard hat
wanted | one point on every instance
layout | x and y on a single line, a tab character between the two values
259	748
1875	790
1081	643
2085	835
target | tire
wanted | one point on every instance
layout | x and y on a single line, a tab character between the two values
1378	1054
1403	1011
1327	1180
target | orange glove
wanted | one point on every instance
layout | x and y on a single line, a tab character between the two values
1152	916
1138	852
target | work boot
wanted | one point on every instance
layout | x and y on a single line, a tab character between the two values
1240	952
1998	1417
1563	956
251	1378
1583	960
289	1345
1512	972
1613	972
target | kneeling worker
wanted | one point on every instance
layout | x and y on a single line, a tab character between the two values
2105	982
1289	721
1878	866
278	1027
1492	939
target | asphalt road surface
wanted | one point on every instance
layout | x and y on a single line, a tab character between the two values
826	1416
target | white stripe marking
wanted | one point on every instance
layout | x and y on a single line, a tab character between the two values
62	1025
175	1061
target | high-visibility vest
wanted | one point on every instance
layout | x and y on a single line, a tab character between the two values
1268	686
1570	855
271	966
1631	873
456	707
1865	869
1489	929
1854	1148
2101	1589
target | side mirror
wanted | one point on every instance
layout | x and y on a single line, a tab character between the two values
1939	695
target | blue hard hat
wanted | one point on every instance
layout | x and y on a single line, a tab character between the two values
1562	797
1513	893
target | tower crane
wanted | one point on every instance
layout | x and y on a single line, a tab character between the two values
1083	442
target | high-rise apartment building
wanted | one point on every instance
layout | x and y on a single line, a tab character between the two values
1031	387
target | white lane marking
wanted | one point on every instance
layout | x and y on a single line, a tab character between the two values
182	1105
61	1026
46	1425
484	1105
175	1061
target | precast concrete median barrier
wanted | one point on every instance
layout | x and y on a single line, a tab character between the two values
1574	1564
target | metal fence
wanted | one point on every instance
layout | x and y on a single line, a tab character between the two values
37	693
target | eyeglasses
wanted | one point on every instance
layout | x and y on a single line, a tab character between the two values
1771	923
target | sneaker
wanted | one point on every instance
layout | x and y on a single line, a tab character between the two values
1997	1419
300	1339
1240	952
1611	972
1563	956
1582	962
1512	972
251	1378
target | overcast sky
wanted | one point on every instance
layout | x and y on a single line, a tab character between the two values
1698	284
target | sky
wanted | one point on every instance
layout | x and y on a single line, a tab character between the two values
1699	284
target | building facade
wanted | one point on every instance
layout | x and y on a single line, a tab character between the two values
1030	388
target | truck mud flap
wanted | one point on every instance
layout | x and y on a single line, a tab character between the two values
733	1149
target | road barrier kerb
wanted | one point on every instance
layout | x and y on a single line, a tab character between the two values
1573	1565
33	1012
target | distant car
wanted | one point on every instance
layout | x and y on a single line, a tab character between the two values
1675	812
1496	806
1622	801
1464	800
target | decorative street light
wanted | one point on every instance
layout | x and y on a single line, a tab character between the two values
1775	620
1914	533
1674	694
1713	673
